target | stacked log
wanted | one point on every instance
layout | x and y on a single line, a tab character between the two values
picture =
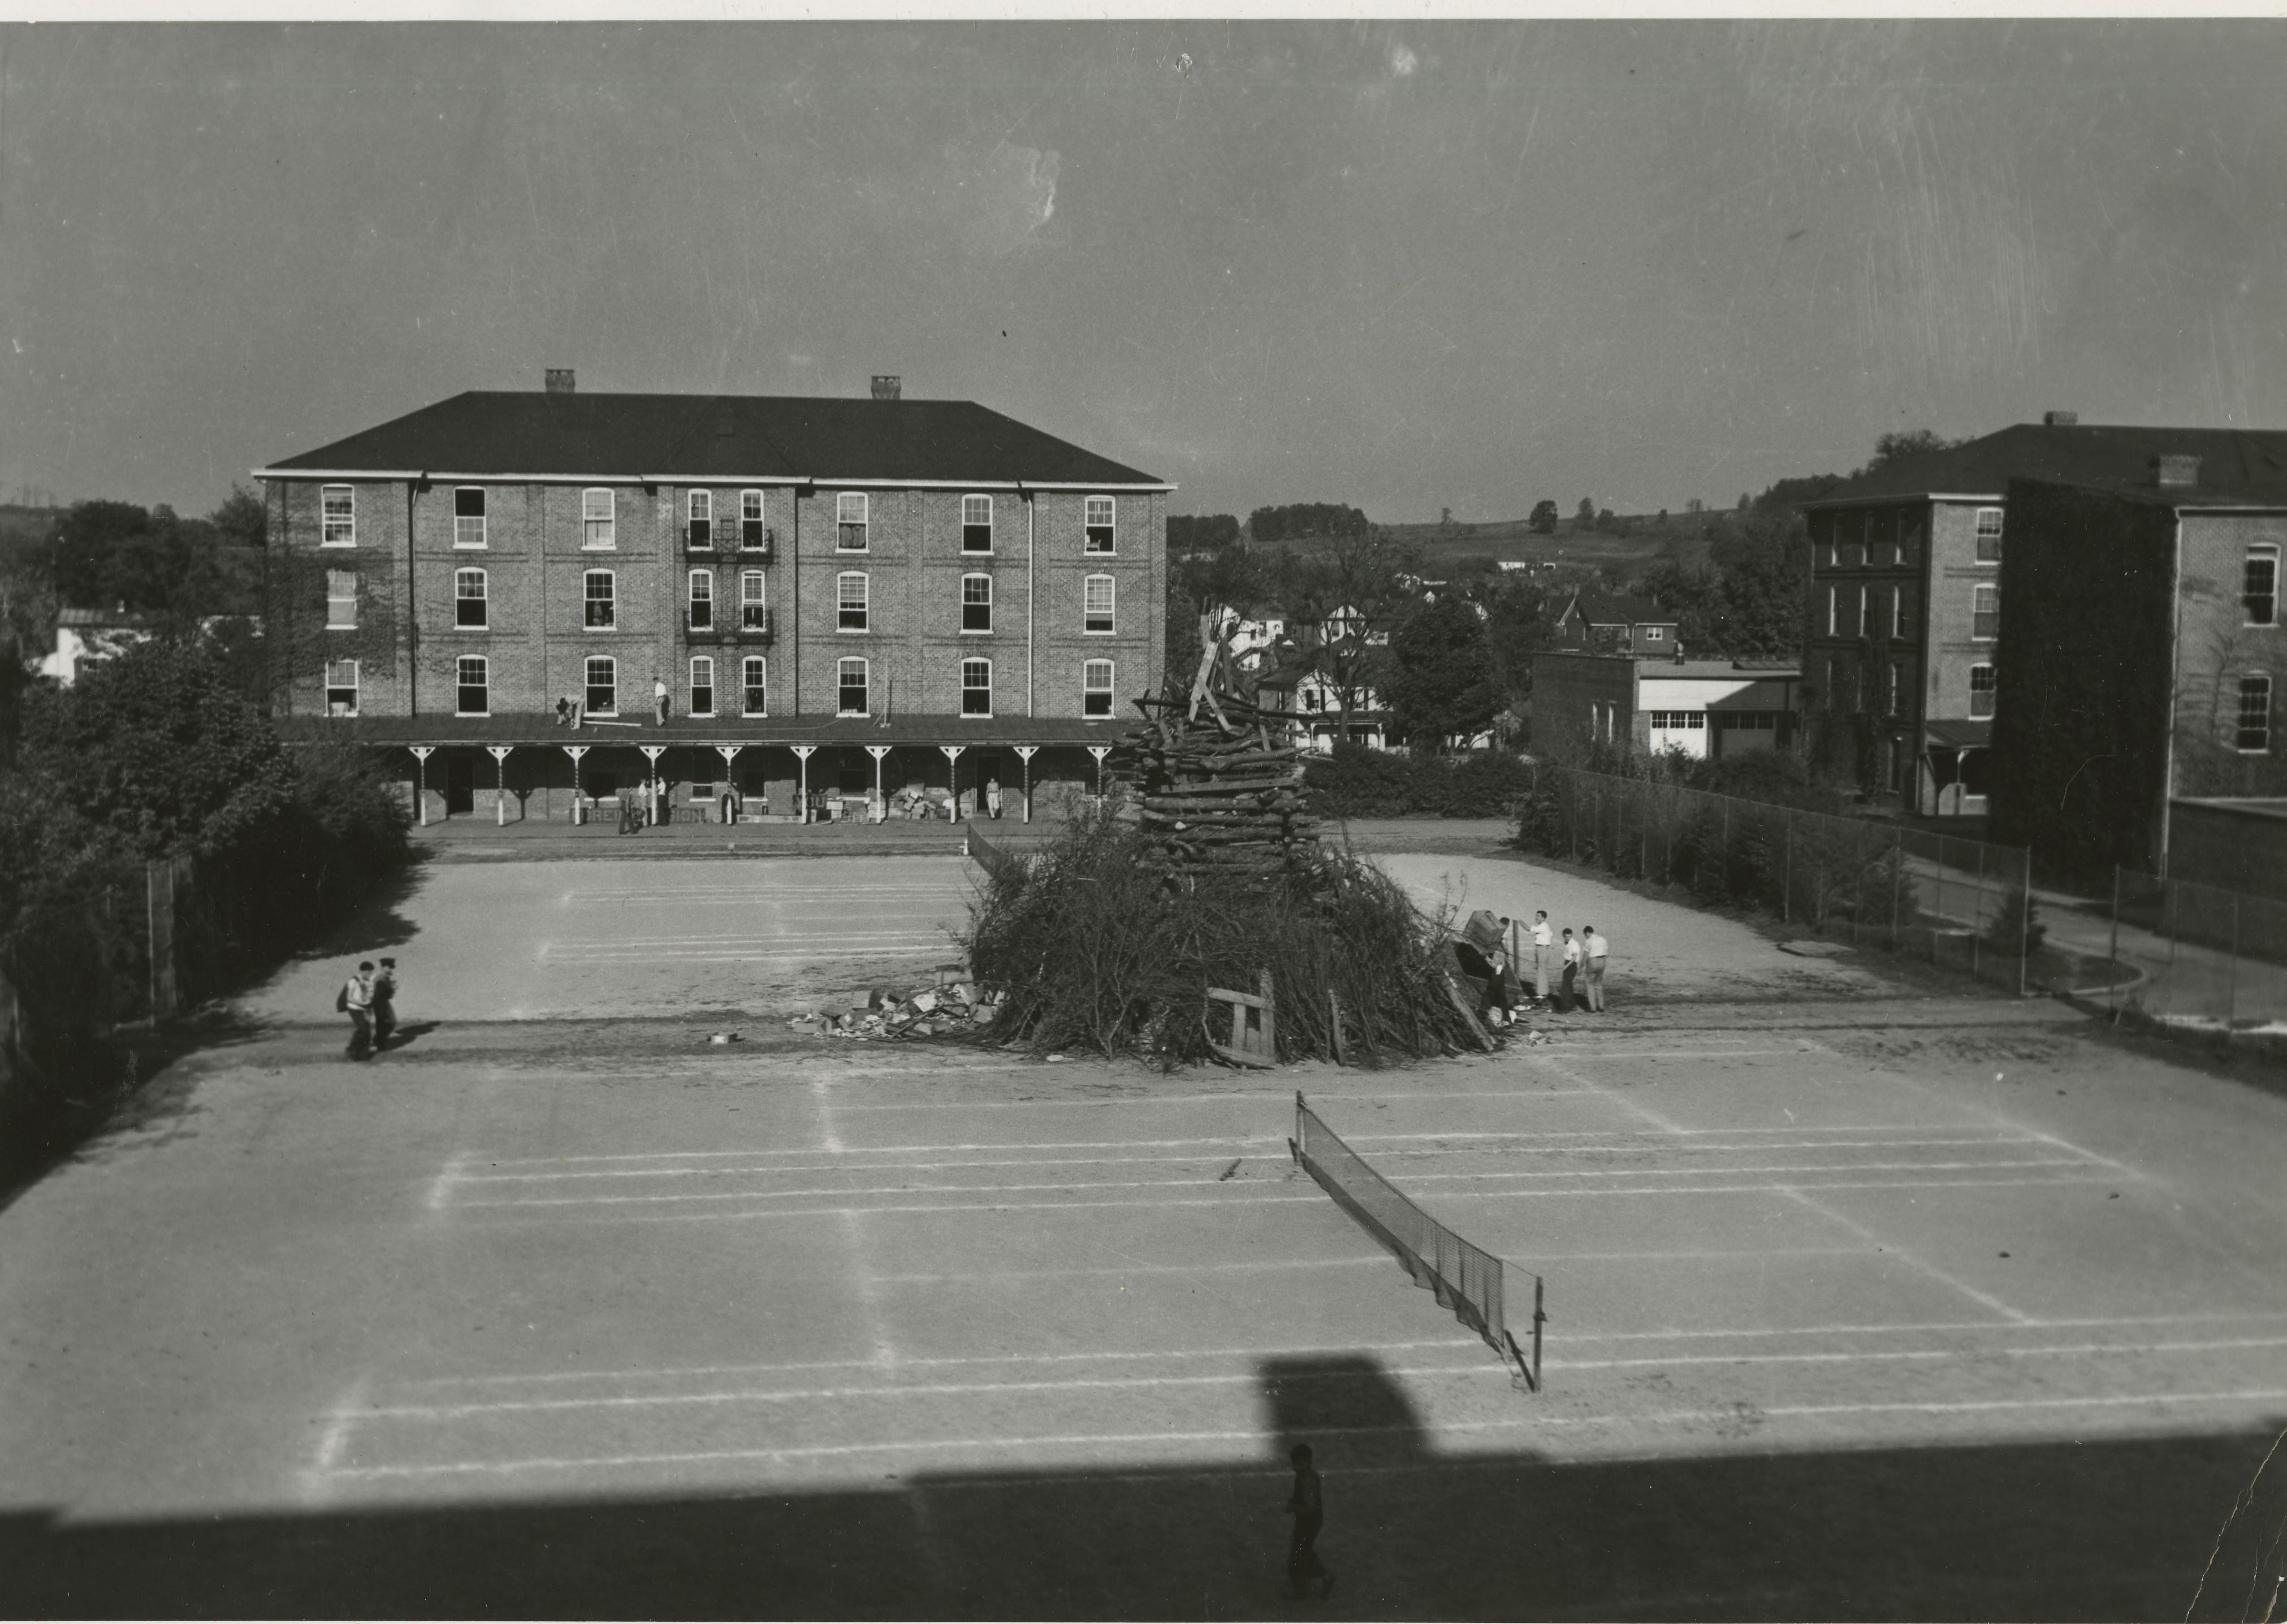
1219	792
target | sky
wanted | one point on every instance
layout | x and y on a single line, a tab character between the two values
1409	267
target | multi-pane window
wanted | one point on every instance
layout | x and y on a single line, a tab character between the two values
340	599
472	692
1834	612
338	508
850	521
2254	732
341	688
701	512
977	603
1897	611
603	685
1096	689
976	524
1864	594
470	605
1683	721
850	596
754	608
1101	533
702	685
1832	698
702	600
850	688
750	518
2259	586
1980	690
1655	634
1985	613
598	511
1897	685
601	605
1988	535
976	688
755	681
468	516
1096	604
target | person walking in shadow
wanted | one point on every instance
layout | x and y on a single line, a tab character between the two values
384	1004
1307	1509
355	1000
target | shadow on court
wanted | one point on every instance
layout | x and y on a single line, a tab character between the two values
2111	1530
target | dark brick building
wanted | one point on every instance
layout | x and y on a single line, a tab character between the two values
835	593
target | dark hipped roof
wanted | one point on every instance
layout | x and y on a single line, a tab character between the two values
1599	609
540	730
2236	464
701	437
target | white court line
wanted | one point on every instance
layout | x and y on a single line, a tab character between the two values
340	1421
1226	1378
447	1176
1903	1256
808	955
925	1210
1378	1260
1216	1140
1665	1124
2260	1395
1621	1149
1108	1356
666	1196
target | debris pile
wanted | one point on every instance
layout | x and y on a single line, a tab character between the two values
958	1006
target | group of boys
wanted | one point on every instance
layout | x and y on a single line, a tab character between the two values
369	998
1576	961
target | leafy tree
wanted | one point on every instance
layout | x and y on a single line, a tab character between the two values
1543	522
1441	681
1585	515
1190	532
1233	576
1298	520
1606	522
1348	600
1907	443
242	522
107	554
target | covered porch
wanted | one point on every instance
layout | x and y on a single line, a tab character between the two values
504	770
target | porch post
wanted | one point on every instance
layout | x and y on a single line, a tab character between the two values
952	774
652	752
729	753
1099	751
499	753
579	811
881	801
420	754
1024	753
802	753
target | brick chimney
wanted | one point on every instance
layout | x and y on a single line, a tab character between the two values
559	380
887	386
2174	471
2059	420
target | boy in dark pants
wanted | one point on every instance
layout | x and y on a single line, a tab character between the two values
384	1004
1302	1564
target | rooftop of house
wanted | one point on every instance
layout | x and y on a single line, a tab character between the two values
1653	666
116	618
2234	465
501	434
1606	609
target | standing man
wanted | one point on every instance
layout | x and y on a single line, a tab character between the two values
384	1004
1308	1511
659	697
1597	949
1567	990
1542	937
356	999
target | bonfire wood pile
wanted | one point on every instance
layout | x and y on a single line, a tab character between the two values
887	1013
1220	785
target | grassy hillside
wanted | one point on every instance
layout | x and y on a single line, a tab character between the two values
1575	554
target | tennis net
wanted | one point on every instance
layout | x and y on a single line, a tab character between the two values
1468	1279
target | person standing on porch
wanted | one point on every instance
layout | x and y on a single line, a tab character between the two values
993	796
659	697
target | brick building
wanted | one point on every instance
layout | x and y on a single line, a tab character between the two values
2141	667
840	597
1607	624
1900	675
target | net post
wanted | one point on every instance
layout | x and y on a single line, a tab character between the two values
1301	1135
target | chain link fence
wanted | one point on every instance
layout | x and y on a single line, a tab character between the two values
2203	958
1965	904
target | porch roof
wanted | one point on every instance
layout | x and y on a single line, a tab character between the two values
543	729
1956	734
